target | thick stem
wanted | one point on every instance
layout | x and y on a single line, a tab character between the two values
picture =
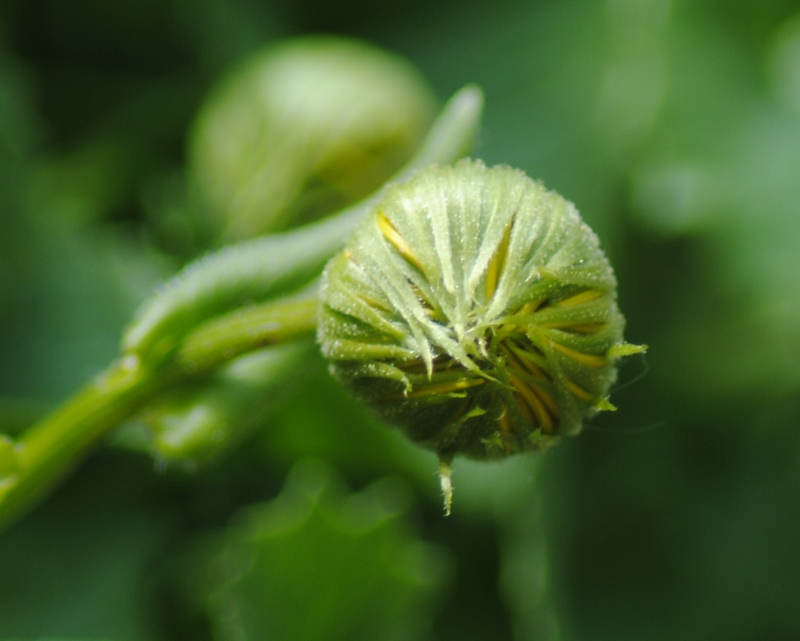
47	451
32	465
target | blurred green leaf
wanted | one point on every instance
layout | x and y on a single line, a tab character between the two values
67	296
84	567
317	565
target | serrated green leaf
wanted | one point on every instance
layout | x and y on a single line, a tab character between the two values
318	565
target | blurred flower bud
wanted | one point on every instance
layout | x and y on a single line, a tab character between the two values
303	129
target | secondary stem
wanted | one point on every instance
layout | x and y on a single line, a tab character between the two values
246	329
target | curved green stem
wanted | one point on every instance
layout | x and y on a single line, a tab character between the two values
226	305
243	330
38	460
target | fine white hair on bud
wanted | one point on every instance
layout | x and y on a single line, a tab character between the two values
474	309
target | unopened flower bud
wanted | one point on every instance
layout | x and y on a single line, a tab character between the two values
475	310
303	129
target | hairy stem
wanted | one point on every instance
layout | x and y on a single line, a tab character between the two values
50	448
32	465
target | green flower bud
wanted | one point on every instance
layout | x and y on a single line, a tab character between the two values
475	310
304	129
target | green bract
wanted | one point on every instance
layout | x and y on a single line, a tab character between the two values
303	129
476	310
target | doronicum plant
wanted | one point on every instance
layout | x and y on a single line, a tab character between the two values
467	305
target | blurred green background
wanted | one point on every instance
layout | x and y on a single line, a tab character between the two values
674	125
